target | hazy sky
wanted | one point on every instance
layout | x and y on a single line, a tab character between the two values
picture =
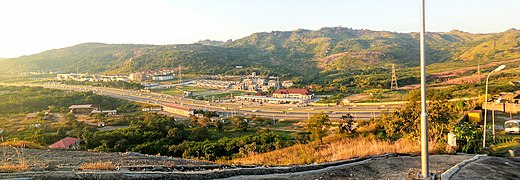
32	26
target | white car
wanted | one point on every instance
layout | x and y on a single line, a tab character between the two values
512	126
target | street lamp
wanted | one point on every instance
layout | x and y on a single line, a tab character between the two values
424	115
499	68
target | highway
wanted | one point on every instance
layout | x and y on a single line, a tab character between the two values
229	109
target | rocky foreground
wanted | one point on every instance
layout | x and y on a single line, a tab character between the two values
61	164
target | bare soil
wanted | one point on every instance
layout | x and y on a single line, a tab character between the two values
63	164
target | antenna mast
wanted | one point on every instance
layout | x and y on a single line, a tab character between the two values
393	84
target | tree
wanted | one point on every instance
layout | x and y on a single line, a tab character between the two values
219	125
348	124
240	123
318	125
203	121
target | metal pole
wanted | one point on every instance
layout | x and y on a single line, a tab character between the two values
424	114
493	117
485	113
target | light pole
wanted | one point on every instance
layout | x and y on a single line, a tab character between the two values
424	115
499	68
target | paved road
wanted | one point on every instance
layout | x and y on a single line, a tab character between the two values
266	110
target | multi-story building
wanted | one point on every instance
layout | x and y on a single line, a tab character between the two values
293	93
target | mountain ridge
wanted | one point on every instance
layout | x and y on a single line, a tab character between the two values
299	53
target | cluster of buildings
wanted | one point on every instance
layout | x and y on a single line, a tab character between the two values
153	75
505	102
257	83
281	96
91	78
217	84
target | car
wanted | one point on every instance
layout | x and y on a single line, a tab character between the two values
255	110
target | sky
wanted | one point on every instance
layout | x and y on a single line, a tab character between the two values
32	26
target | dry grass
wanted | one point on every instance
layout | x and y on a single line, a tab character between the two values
16	164
21	144
98	166
7	168
334	148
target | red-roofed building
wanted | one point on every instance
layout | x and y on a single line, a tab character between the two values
176	109
66	143
293	93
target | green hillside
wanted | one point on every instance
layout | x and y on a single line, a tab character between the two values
329	54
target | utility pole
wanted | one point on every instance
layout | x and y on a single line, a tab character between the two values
424	116
393	84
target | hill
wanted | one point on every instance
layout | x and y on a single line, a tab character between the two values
306	55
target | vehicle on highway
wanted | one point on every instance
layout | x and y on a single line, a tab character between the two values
254	110
512	126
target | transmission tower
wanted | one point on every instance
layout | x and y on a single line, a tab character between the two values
393	84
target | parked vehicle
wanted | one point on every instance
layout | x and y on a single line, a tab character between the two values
512	126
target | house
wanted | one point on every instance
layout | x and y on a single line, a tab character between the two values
293	93
516	99
287	84
148	109
66	143
109	112
83	108
162	77
175	109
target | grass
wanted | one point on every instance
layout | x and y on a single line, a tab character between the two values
8	168
21	144
11	165
107	166
334	148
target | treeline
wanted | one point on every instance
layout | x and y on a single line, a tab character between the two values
158	134
16	100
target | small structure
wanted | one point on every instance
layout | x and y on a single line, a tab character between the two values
83	108
66	143
109	112
151	109
175	109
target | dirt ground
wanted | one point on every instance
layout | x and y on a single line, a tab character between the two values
62	164
404	167
59	160
490	168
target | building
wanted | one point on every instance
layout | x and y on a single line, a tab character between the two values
162	77
66	143
271	100
176	109
293	93
109	112
287	84
83	108
272	83
151	109
136	77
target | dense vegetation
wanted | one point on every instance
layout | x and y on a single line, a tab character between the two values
20	100
150	133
